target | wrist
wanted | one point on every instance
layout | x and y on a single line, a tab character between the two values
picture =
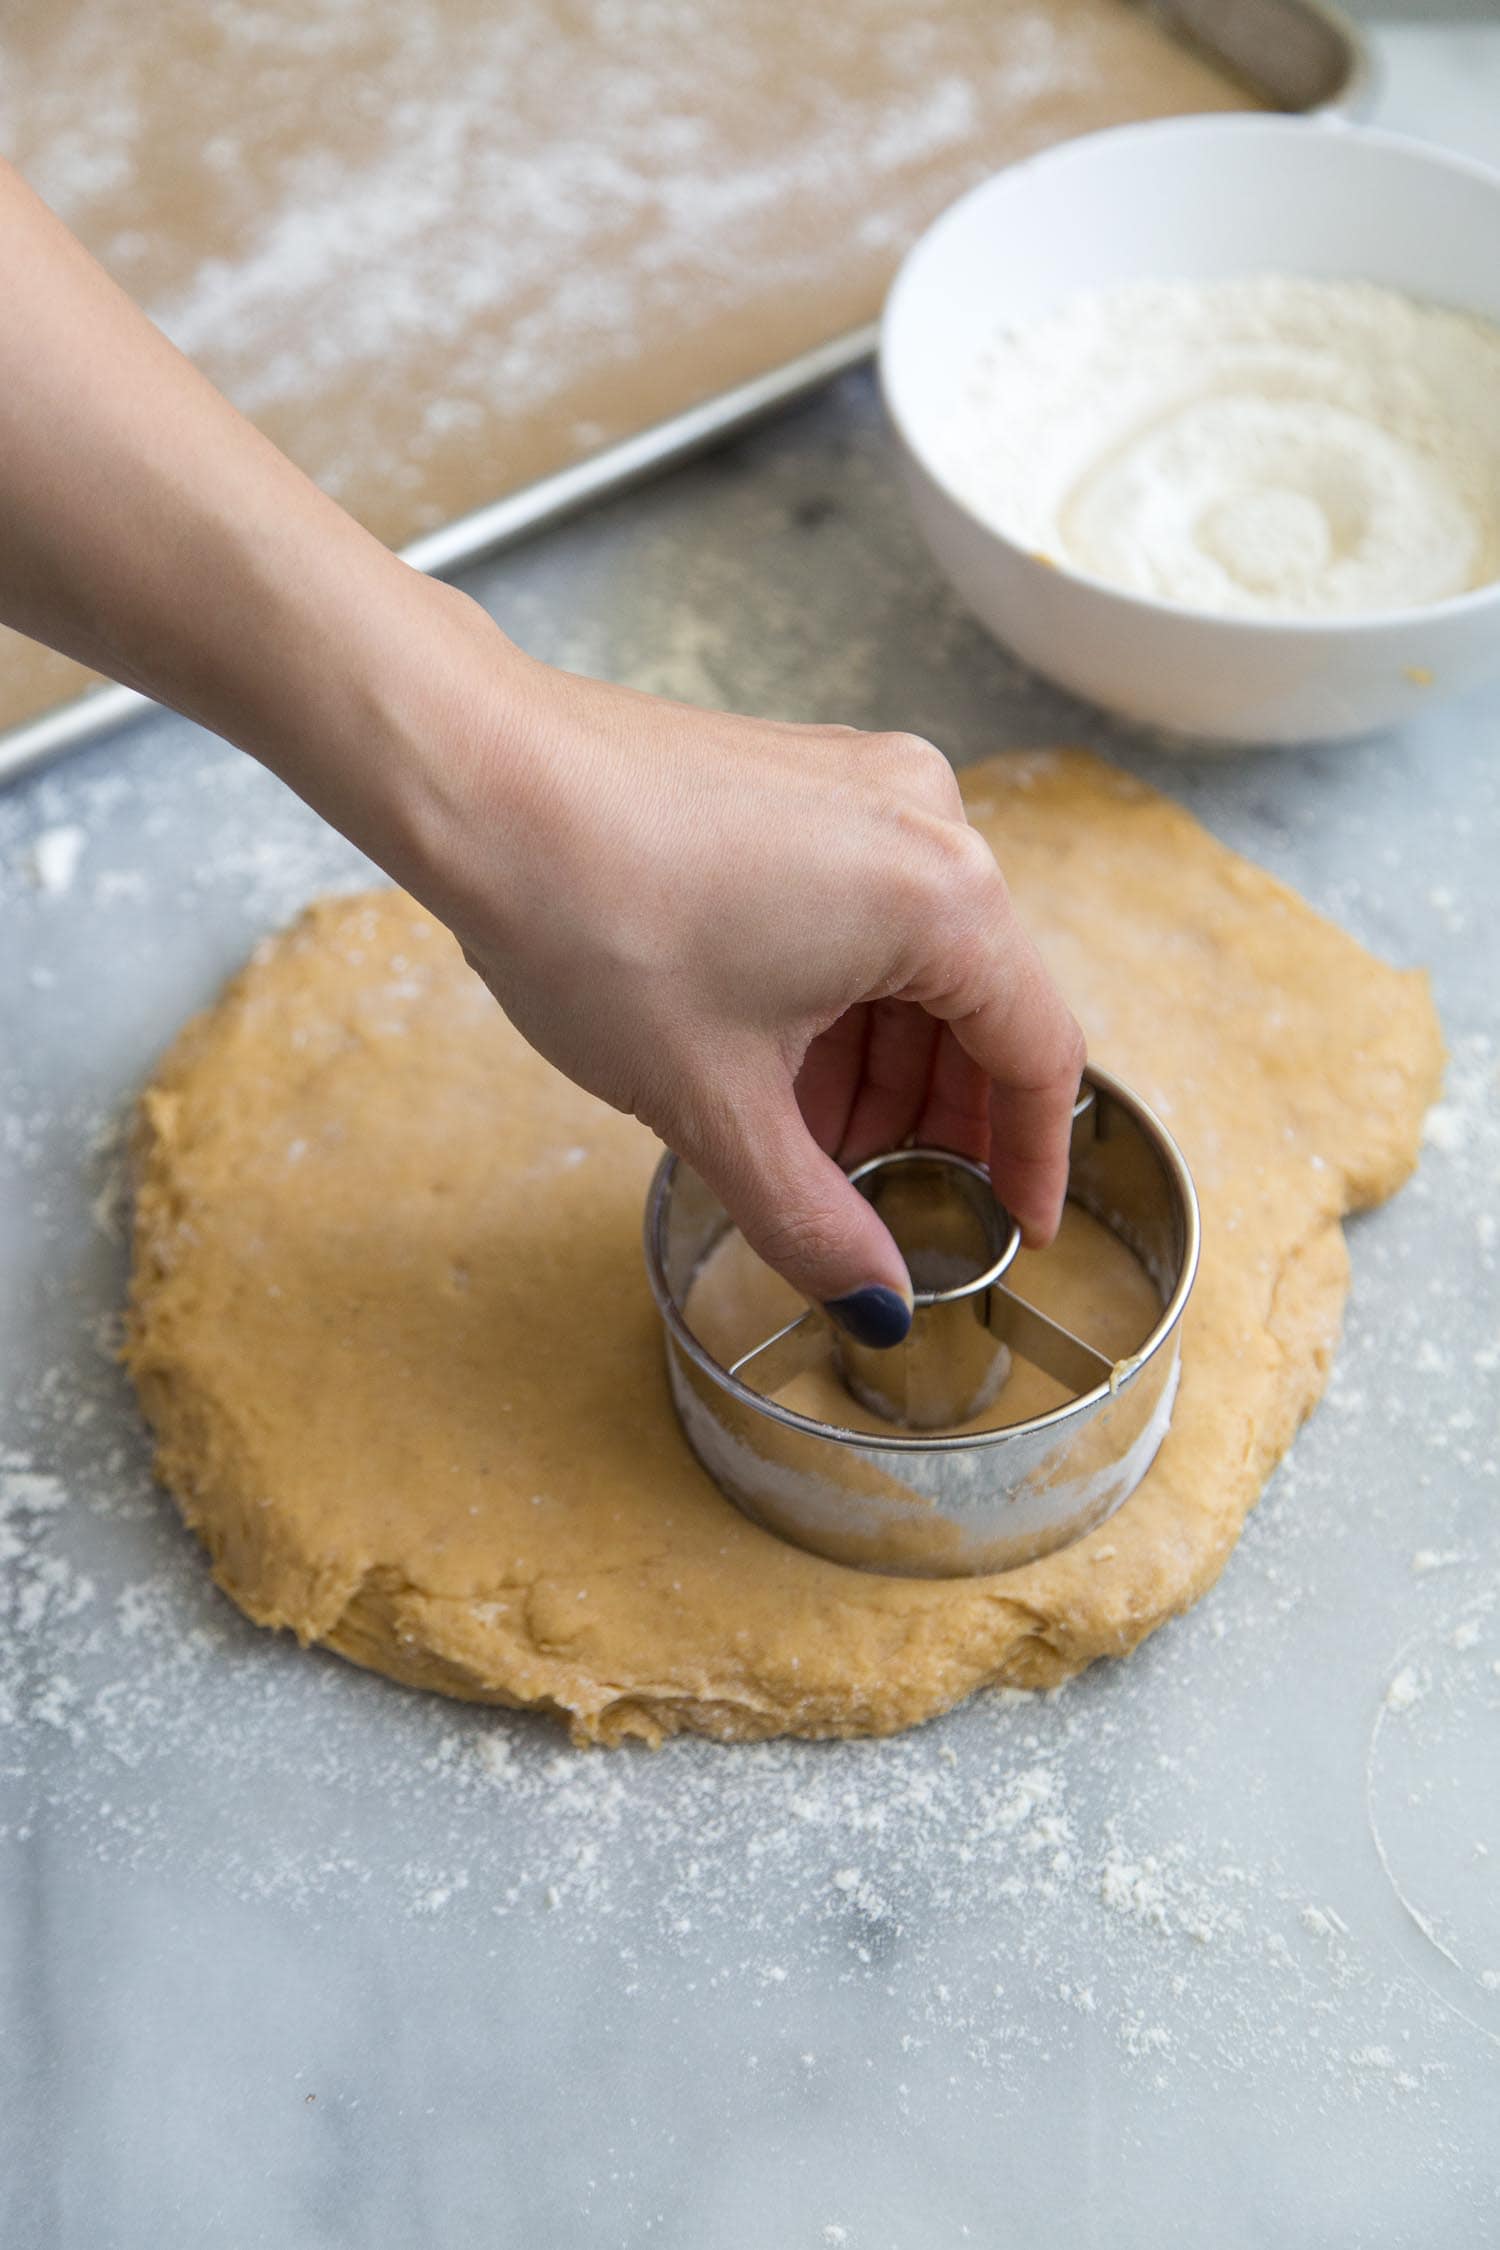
351	676
419	752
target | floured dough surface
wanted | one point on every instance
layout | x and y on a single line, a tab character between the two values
391	1327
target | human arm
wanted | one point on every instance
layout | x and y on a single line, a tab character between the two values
775	944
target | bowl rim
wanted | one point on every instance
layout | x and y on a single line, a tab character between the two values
1336	130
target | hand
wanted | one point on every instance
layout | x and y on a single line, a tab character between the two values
779	946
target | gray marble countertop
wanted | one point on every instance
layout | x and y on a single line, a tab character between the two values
1204	1949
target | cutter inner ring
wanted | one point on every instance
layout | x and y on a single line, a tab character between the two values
920	1192
957	1241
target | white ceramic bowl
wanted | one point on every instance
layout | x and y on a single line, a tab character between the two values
1196	199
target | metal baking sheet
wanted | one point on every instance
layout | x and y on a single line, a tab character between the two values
1293	54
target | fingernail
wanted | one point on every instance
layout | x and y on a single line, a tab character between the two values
876	1316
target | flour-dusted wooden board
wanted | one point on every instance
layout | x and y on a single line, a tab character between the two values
439	249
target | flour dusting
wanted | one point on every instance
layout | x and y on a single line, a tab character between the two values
54	857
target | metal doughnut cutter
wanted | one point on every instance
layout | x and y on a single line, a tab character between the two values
912	1501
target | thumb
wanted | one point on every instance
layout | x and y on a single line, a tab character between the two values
797	1210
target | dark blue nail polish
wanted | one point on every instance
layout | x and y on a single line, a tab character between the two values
876	1316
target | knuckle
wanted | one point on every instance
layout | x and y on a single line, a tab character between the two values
974	865
919	765
965	881
970	970
951	902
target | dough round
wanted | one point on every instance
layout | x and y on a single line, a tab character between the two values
391	1327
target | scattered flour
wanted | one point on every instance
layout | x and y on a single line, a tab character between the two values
54	858
993	1824
1098	1900
1435	1558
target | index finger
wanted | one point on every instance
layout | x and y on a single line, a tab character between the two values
1015	1025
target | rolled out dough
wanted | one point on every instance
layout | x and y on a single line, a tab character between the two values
390	1325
